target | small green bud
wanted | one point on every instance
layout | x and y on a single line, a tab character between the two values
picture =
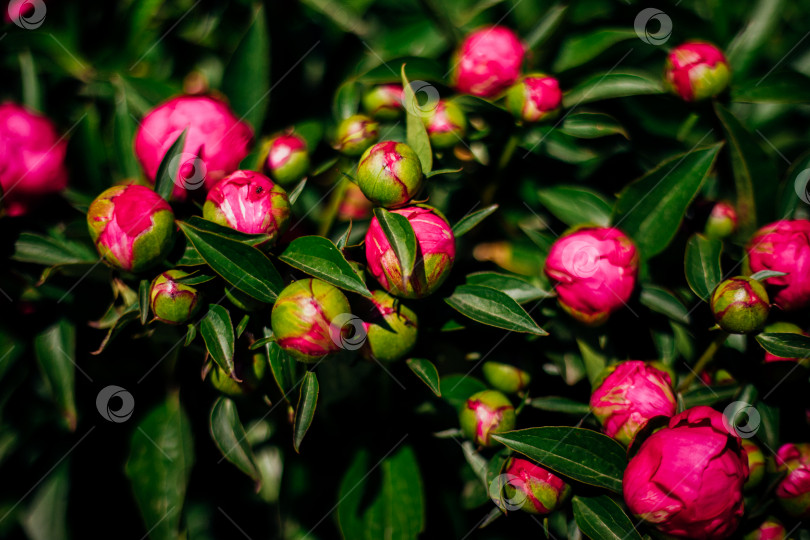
389	174
505	377
485	413
172	302
740	305
355	134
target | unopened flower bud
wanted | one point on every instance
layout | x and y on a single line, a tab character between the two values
389	174
354	205
485	413
793	491
506	377
722	221
784	246
287	159
391	328
355	134
384	102
697	70
446	124
536	97
487	62
540	491
770	529
173	302
249	370
740	305
756	464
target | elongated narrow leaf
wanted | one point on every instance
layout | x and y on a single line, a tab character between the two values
785	345
592	125
243	266
400	235
516	287
123	135
143	300
46	517
763	19
216	329
425	370
55	351
470	221
246	81
613	85
651	208
787	87
296	191
169	166
546	26
38	249
319	257
664	302
494	308
602	517
574	205
416	133
581	454
215	228
765	274
31	89
709	395
702	264
230	437
579	49
561	405
282	366
161	455
305	410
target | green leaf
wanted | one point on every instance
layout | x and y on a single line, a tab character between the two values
520	290
166	175
546	26
161	455
216	329
754	174
470	221
215	228
305	410
579	49
602	517
494	308
283	367
438	172
651	208
143	300
613	85
31	90
574	205
346	101
243	266
50	251
240	328
195	278
123	135
417	136
319	257
592	125
130	314
709	395
593	358
785	345
786	87
702	264
55	351
456	388
765	274
561	405
246	81
763	23
581	454
312	133
385	506
46	516
296	191
400	235
230	437
425	370
664	302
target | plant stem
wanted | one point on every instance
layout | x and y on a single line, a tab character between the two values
704	360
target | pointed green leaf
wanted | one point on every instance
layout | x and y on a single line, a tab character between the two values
400	235
702	264
283	367
601	517
166	176
319	257
613	85
230	437
785	345
579	49
470	221
46	516
425	370
417	135
516	287
143	300
216	329
296	191
574	205
55	351
305	410
787	87
494	308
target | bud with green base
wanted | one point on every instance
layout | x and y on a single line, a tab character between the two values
355	134
384	102
249	371
173	302
303	319
535	489
485	413
722	221
535	98
770	529
446	124
696	70
287	159
505	377
756	464
389	174
391	328
740	305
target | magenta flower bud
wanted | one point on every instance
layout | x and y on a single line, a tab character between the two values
537	490
435	255
687	478
216	141
629	396
595	272
384	102
770	529
697	70
536	97
32	159
506	377
354	205
487	62
793	491
287	159
132	227
249	371
722	221
389	174
308	319
740	305
756	464
784	246
173	302
485	413
391	328
355	134
446	124
249	202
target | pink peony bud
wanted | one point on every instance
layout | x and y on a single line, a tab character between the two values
132	227
536	97
173	302
595	272
539	491
793	491
389	174
384	102
435	256
697	70
756	464
287	159
740	305
249	202
355	134
506	377
770	529
487	62
354	204
784	328
32	157
485	413
445	124
391	328
784	246
629	396
216	141
722	221
687	478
